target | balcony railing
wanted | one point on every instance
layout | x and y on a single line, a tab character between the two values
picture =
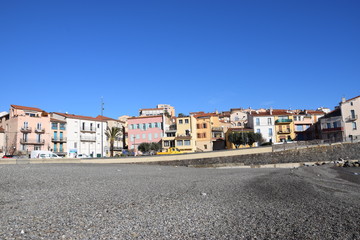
87	139
333	129
32	141
42	130
25	129
352	118
284	132
58	139
217	129
88	129
283	121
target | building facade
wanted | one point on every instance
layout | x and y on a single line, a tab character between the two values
145	129
26	129
85	135
349	112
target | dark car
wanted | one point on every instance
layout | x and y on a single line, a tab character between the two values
9	156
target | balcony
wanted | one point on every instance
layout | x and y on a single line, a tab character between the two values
91	130
351	118
280	121
333	129
284	131
32	141
25	130
217	129
58	139
87	138
41	130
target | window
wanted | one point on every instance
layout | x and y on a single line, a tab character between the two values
352	112
144	126
150	125
328	125
186	120
270	132
205	146
204	125
61	149
354	125
166	143
91	126
144	136
335	124
55	147
98	125
257	121
269	121
83	126
132	137
156	125
62	126
55	135
38	138
54	125
137	136
155	135
258	130
137	126
179	142
351	103
187	132
180	121
187	142
149	137
199	135
75	144
299	128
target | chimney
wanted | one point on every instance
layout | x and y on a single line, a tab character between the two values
343	99
271	111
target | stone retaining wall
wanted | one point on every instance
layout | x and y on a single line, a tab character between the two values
313	154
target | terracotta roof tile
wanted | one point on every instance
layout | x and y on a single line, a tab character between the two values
78	116
27	108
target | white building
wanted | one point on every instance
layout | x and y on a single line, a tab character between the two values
264	123
85	135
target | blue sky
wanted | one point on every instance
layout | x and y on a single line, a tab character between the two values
195	55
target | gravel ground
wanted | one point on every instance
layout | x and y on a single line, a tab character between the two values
69	201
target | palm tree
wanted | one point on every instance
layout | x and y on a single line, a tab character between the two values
112	134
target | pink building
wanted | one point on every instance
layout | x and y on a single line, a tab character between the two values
145	129
26	129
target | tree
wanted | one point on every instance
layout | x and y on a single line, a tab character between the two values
144	147
155	146
181	115
237	138
112	134
253	137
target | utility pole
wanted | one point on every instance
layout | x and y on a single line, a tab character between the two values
102	127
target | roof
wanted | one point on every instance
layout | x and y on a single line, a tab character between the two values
107	118
146	109
140	117
78	116
334	113
27	108
205	115
57	120
352	99
240	129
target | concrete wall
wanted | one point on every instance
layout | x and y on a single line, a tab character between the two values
313	154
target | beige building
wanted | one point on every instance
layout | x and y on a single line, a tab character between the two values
185	138
349	113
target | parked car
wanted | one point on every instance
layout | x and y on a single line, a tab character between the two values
9	156
43	154
82	155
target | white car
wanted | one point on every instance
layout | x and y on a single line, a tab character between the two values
82	155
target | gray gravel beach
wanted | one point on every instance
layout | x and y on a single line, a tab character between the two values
69	201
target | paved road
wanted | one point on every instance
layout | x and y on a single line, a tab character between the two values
72	201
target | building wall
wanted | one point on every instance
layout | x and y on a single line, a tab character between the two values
59	136
265	125
27	133
139	130
284	130
186	132
332	129
118	143
350	111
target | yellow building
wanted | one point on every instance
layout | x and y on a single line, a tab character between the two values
185	139
209	132
284	125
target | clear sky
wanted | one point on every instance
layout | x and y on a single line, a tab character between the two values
197	55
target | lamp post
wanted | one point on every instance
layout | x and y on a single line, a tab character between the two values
102	128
